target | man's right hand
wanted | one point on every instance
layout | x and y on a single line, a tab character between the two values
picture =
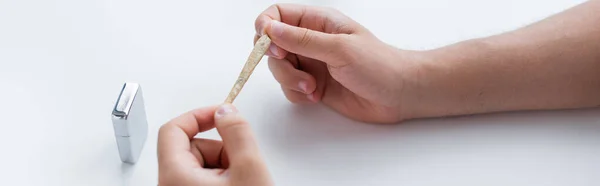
320	55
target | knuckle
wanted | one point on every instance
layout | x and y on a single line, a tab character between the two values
231	123
340	42
164	128
339	50
305	37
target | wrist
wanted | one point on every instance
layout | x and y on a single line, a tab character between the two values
414	70
445	81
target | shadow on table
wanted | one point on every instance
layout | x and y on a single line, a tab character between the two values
127	171
303	127
327	141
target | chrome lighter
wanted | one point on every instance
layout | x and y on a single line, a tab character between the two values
129	123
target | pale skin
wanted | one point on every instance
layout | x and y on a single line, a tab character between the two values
319	55
185	160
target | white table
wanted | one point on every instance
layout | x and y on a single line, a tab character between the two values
62	63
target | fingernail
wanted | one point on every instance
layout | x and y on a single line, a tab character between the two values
303	86
311	97
226	173
225	110
276	28
273	49
258	32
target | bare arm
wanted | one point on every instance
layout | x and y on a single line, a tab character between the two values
552	64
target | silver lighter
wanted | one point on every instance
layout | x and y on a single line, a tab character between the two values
129	122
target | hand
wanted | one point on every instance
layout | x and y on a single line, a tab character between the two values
318	54
185	160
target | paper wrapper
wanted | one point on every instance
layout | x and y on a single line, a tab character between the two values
260	48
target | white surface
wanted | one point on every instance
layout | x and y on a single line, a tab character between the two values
62	63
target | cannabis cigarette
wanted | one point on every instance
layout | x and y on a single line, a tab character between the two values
260	48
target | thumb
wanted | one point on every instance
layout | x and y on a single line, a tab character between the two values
237	136
305	42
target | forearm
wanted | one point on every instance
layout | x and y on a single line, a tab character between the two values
553	64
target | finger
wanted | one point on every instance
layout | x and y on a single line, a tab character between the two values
290	77
210	153
271	13
291	14
274	50
174	137
288	13
305	42
297	97
238	139
312	17
309	18
320	72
